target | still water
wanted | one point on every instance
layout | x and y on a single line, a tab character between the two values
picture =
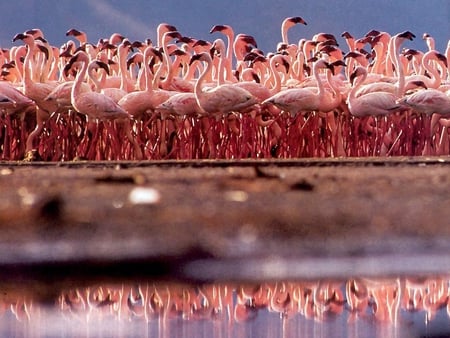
357	307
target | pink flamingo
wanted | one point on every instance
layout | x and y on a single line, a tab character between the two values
220	100
300	100
287	24
228	65
167	82
434	79
431	102
36	91
61	94
372	103
146	101
126	84
98	106
140	102
79	35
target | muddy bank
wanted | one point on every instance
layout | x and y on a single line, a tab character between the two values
180	219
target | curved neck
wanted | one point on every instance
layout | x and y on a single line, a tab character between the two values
76	88
297	67
148	73
395	49
199	83
435	80
168	64
229	60
276	76
222	64
284	32
359	81
123	68
157	76
27	69
92	76
331	83
316	75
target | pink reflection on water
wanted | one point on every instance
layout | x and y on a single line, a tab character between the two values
284	308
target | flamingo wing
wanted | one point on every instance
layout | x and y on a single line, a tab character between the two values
99	106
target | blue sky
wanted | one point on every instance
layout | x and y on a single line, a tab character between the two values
138	19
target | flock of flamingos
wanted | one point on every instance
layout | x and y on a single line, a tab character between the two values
186	98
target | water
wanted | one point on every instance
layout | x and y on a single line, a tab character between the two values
357	307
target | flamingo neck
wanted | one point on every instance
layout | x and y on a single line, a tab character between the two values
334	88
123	70
320	86
76	88
168	63
98	84
359	81
435	79
276	77
395	49
284	31
199	83
27	69
297	67
229	60
221	70
148	74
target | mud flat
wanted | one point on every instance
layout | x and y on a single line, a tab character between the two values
75	222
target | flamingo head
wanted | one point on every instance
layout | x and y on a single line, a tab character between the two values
407	35
152	51
346	35
200	57
24	37
338	63
359	71
442	58
44	50
292	21
220	28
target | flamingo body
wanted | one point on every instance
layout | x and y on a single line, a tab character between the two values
221	99
298	100
370	104
181	104
428	101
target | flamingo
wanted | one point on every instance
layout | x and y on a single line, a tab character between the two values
428	101
95	105
287	24
79	35
36	91
395	85
21	102
126	84
434	79
222	99
161	30
372	103
300	100
139	102
168	81
146	101
61	94
229	33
